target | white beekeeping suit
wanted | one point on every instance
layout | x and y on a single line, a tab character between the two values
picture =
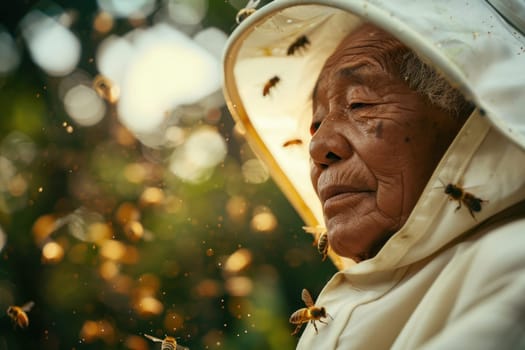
446	279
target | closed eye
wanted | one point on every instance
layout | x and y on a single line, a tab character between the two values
357	105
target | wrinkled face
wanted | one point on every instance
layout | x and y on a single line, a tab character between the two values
375	143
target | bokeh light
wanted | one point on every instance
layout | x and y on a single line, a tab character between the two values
204	149
52	253
127	8
254	171
3	239
263	220
9	53
187	12
84	105
52	46
238	261
103	22
159	69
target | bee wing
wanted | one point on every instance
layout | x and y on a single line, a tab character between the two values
252	4
180	347
295	317
316	231
470	187
152	338
27	306
307	298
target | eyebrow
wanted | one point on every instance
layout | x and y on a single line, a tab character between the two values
351	73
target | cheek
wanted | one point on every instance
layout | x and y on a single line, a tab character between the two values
391	160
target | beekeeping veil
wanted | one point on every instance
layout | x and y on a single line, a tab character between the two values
273	59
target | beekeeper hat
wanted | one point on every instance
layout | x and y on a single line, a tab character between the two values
273	58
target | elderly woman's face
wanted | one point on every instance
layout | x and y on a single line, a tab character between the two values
375	143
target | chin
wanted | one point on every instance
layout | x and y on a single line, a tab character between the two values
360	242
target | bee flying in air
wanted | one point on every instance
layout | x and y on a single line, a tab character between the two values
292	142
18	314
168	343
457	193
270	84
320	240
245	12
322	245
301	42
311	313
106	89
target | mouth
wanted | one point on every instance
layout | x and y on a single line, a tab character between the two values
334	192
334	197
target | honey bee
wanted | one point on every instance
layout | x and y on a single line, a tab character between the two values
320	240
245	12
168	343
310	313
18	314
457	193
322	245
292	142
106	89
301	42
270	84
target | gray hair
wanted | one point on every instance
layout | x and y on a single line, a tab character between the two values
427	81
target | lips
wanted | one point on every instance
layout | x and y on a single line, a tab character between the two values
336	200
335	197
343	184
332	191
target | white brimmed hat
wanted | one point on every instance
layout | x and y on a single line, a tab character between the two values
273	59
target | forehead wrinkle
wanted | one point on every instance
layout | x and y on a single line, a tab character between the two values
355	56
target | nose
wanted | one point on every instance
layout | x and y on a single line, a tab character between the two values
328	145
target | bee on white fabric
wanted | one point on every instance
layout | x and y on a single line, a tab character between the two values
245	12
168	343
457	193
310	313
19	314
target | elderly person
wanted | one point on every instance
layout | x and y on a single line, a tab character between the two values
411	115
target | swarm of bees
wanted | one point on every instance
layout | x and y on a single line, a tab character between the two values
299	44
248	10
457	193
168	343
19	314
310	313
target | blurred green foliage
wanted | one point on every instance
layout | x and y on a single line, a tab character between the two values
132	266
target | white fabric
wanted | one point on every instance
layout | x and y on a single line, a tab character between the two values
427	289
